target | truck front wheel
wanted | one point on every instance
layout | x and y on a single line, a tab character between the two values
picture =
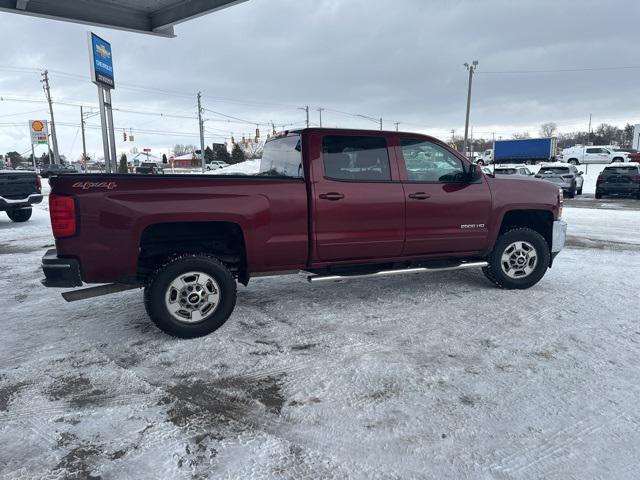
519	259
190	296
19	216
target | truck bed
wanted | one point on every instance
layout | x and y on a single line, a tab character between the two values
114	211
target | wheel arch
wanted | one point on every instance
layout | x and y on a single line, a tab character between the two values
538	220
225	240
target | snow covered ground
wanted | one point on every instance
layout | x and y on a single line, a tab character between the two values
438	376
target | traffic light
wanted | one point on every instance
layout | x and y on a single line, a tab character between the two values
124	136
257	134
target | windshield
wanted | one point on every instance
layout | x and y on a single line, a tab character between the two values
282	157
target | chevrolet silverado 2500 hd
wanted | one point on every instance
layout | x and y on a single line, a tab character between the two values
334	203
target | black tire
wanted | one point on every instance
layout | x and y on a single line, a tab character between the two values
480	162
580	191
574	161
598	194
158	287
495	272
572	192
21	215
617	159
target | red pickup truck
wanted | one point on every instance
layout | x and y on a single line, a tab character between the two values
334	203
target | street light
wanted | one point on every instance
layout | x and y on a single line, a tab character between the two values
471	68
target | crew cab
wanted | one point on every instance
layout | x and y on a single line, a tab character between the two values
19	189
592	154
336	204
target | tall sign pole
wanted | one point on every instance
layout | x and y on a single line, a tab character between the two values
102	75
39	136
471	68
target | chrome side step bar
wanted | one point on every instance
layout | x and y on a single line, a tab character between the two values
402	271
100	290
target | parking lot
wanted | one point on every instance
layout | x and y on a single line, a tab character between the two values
427	376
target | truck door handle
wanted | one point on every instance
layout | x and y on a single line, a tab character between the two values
419	195
333	196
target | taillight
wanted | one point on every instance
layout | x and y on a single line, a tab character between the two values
560	203
62	210
39	183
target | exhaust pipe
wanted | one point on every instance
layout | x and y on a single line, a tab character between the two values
402	271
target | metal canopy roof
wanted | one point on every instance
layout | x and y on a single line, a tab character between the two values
156	17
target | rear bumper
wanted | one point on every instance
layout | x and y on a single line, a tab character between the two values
620	188
60	272
9	203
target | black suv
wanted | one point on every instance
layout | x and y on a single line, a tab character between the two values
619	179
54	169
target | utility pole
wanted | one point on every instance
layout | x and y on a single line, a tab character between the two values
453	136
397	124
201	125
54	138
320	110
84	143
306	109
380	123
471	68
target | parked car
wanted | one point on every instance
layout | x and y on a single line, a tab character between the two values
338	204
512	170
216	165
149	168
619	179
565	175
19	189
634	155
592	154
54	169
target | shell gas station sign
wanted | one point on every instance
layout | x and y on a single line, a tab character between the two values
39	132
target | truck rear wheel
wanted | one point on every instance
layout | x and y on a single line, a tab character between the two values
191	296
519	259
19	216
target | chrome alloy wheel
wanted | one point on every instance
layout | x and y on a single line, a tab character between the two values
519	259
192	297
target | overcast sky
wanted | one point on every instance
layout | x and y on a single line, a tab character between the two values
401	60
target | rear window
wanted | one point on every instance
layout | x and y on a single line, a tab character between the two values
282	157
561	170
505	171
621	170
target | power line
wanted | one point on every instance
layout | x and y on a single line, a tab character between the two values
561	70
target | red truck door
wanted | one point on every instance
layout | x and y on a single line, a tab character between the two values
445	213
358	198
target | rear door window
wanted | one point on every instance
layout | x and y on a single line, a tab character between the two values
356	159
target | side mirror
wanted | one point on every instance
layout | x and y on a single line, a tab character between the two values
473	172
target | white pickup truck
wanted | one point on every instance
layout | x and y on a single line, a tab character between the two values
592	154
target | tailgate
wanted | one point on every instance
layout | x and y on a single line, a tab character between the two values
17	185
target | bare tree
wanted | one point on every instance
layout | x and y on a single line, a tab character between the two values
548	129
521	135
253	150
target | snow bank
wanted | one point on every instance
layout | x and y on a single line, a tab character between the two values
249	167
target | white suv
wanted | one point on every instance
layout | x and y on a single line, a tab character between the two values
592	154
